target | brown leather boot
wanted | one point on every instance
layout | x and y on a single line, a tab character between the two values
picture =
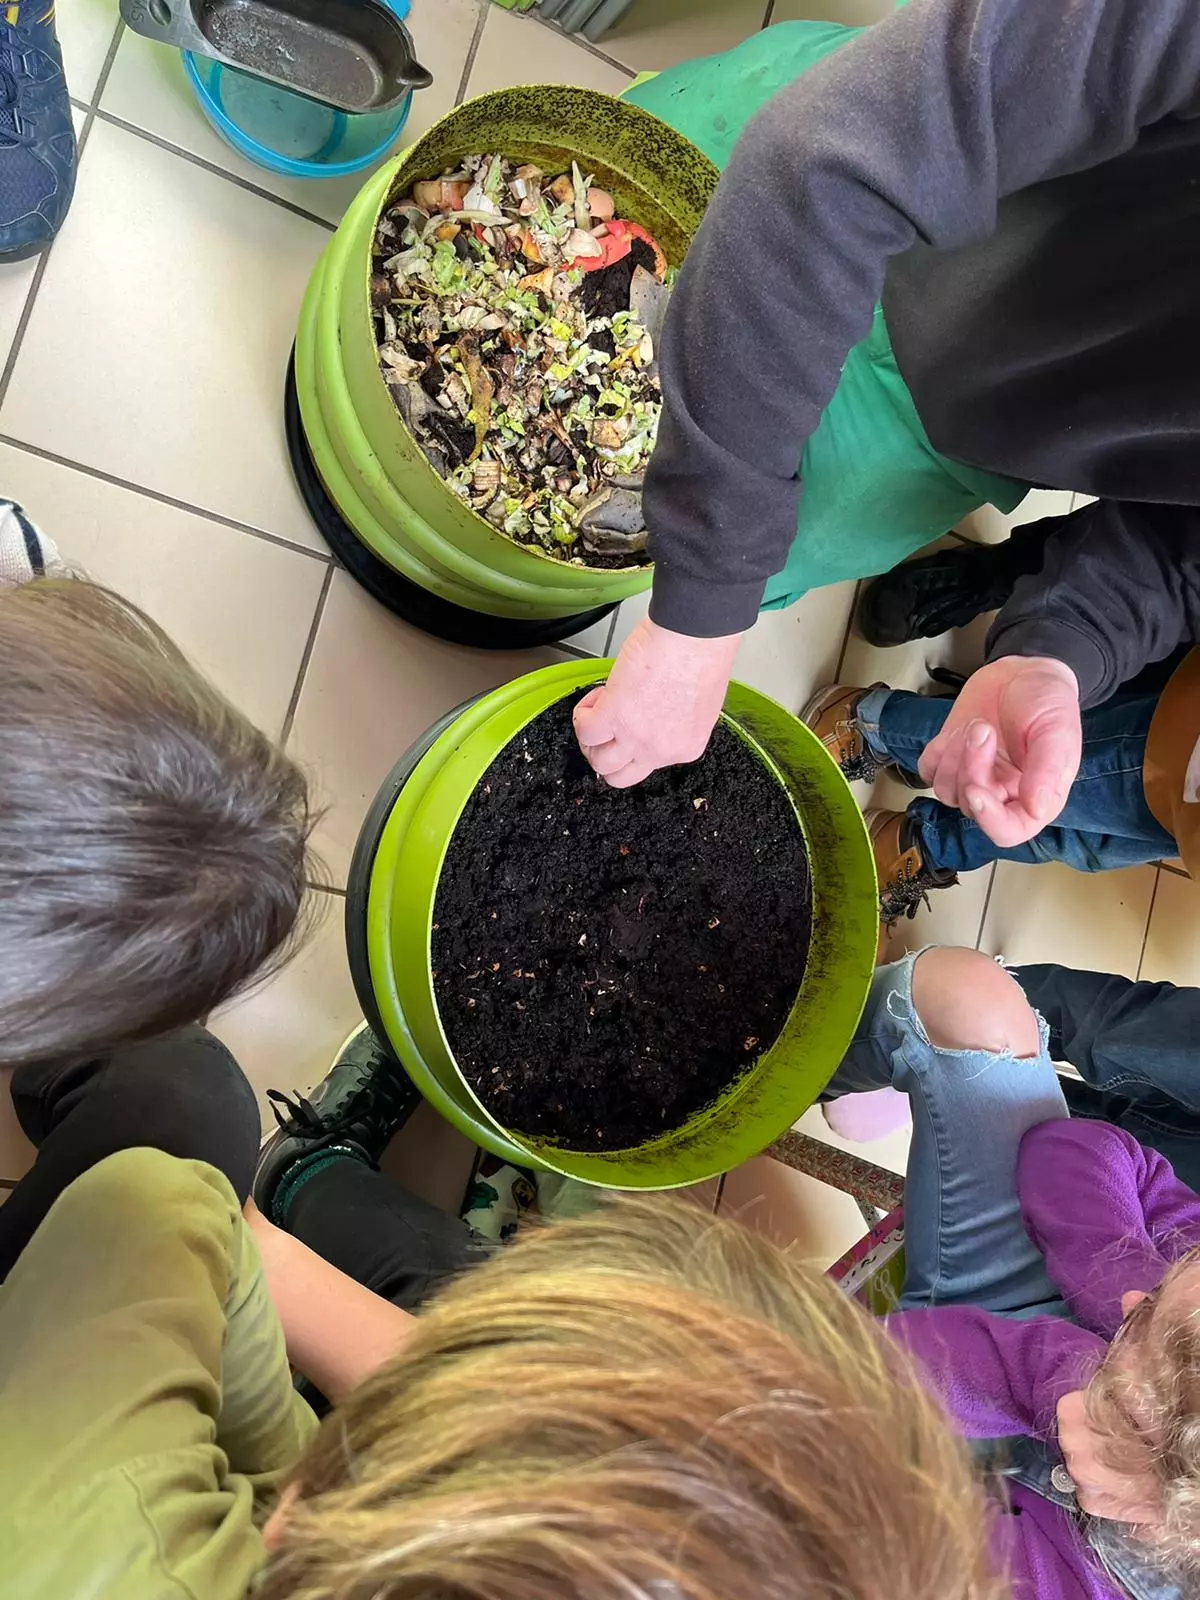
831	716
904	879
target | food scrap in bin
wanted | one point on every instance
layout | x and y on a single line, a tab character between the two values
517	317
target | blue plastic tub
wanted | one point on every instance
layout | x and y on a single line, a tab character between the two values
289	133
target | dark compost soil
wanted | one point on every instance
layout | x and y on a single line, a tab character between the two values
607	961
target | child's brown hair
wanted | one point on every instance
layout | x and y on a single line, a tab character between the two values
646	1404
1144	1403
153	843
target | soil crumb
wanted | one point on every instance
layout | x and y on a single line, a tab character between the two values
607	961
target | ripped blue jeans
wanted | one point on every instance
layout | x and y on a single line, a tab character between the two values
963	1238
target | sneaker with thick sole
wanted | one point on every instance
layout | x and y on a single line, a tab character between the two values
37	136
831	714
364	1098
923	599
905	881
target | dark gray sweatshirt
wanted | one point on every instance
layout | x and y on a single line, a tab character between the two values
1119	589
893	157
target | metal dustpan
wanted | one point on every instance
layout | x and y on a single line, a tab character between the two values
355	55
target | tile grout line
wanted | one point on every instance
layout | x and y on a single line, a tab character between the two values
289	715
987	900
165	499
1149	918
612	628
472	52
211	166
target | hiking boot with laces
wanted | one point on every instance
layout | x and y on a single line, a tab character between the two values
37	137
926	598
905	880
364	1098
831	714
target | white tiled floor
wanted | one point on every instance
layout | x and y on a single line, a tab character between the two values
140	420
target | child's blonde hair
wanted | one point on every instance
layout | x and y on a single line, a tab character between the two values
1144	1402
155	843
646	1404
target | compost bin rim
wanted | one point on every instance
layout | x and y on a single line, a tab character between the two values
394	190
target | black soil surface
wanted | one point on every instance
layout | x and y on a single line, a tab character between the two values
607	961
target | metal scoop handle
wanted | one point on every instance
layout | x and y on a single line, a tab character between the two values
354	55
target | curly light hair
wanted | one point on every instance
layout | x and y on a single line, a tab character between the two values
1144	1403
645	1404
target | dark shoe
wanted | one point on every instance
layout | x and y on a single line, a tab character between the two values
904	879
37	137
926	598
831	714
364	1098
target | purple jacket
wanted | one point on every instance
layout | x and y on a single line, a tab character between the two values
1108	1216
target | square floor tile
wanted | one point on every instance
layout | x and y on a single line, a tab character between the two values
85	30
149	88
813	1220
286	1032
1093	920
188	288
1172	953
654	34
16	279
516	49
989	526
239	606
373	686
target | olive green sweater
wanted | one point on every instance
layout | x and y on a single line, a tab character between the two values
147	1413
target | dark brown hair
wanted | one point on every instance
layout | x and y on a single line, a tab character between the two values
153	843
646	1404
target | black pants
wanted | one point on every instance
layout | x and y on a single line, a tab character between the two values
186	1094
1136	1045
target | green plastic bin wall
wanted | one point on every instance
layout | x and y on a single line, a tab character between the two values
403	878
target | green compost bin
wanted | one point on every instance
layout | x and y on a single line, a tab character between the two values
369	465
390	915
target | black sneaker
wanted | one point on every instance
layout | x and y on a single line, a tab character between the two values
926	598
364	1098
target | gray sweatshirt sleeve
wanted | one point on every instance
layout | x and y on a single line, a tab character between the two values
912	131
1119	588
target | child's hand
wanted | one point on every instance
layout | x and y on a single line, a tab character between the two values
1100	1490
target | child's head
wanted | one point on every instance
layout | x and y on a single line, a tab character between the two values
642	1405
1142	1410
153	843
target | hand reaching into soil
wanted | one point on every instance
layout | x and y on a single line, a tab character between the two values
659	706
1009	750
